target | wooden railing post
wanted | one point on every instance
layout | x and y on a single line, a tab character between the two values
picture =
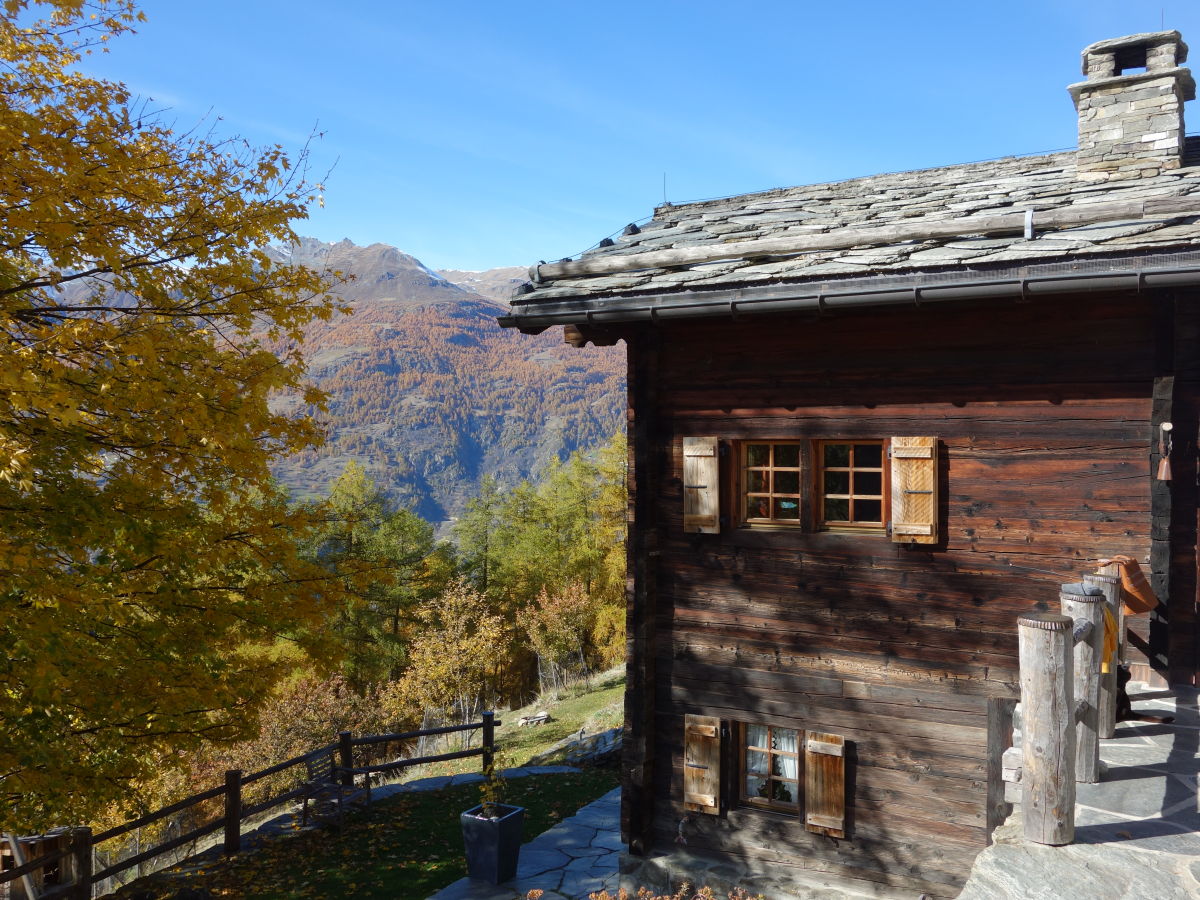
233	811
1047	728
78	864
1084	605
489	739
999	739
346	758
1107	717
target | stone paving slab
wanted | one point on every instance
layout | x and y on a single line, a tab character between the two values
1137	832
575	858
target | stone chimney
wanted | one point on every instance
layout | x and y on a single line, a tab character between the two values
1131	106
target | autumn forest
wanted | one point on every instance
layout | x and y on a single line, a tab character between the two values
255	489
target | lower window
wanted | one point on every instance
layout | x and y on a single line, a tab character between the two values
770	758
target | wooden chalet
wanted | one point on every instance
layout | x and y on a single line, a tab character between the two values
871	423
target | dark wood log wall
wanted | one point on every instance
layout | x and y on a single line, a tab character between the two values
1043	413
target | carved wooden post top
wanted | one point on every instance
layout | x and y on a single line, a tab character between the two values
1046	621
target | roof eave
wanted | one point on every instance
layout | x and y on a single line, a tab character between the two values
1109	273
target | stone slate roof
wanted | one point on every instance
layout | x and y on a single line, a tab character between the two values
1013	184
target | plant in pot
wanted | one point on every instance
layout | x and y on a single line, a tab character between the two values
492	833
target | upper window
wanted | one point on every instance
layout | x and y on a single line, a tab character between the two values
850	485
771	767
771	479
880	486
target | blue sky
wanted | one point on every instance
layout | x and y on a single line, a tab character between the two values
480	134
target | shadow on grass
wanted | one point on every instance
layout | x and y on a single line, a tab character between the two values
408	845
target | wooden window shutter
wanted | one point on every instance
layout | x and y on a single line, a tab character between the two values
702	764
825	783
701	486
914	490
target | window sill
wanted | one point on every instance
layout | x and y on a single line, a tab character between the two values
785	527
860	531
759	812
792	537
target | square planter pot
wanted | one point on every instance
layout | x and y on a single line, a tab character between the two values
493	845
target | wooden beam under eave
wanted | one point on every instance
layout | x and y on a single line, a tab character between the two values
581	335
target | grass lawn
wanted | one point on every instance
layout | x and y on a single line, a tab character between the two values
408	845
595	706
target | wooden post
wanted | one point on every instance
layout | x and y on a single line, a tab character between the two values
233	811
79	864
346	758
489	741
1048	728
1162	515
999	739
1084	605
1106	725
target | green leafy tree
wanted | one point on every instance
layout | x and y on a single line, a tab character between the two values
557	538
568	527
145	555
474	532
384	555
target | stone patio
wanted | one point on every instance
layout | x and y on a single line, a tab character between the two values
1137	832
575	858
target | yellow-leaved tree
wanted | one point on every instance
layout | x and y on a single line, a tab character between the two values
146	559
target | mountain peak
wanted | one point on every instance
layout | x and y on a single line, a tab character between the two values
429	393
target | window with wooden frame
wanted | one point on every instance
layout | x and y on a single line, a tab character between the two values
770	767
867	486
851	485
770	482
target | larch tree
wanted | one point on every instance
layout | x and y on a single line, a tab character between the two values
384	554
145	556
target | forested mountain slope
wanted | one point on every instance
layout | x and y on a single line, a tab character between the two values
430	394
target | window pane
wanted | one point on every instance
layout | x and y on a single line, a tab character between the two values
758	481
868	456
756	762
837	510
758	507
756	787
787	455
837	454
868	511
787	482
784	793
756	735
784	765
758	455
868	483
787	509
837	482
783	739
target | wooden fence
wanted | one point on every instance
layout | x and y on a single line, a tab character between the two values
1068	703
73	859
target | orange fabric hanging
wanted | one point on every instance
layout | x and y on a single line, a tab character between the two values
1138	596
1110	640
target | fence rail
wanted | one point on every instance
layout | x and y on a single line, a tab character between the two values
76	858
